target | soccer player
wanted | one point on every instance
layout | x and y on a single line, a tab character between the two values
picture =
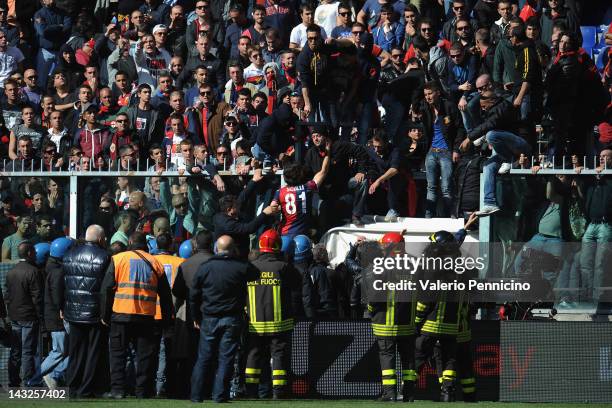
294	199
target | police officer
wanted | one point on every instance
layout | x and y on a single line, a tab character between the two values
438	315
270	315
133	282
170	263
393	326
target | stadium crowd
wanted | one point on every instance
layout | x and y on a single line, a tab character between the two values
352	101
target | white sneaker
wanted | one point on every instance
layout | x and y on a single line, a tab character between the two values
50	381
487	210
479	141
504	168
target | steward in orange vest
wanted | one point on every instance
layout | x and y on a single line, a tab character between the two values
133	282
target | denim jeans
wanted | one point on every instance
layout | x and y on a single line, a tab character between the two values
541	243
594	254
505	147
219	338
260	155
438	170
568	282
24	342
56	362
45	64
471	115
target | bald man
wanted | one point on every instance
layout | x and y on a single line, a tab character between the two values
84	268
138	202
217	301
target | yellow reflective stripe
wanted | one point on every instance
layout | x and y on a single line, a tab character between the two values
409	375
277	303
468	381
440	328
382	330
279	382
271	327
440	380
250	380
421	306
390	315
252	305
469	390
388	372
389	382
449	373
136	297
279	372
252	371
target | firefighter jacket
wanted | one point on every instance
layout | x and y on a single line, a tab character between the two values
442	317
131	286
269	304
395	316
170	266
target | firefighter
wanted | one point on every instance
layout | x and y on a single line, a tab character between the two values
270	316
133	281
170	264
438	315
393	326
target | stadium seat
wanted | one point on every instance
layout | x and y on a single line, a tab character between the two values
589	38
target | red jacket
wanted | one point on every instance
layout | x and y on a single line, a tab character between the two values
92	143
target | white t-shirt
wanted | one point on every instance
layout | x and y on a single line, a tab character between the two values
325	15
9	61
298	35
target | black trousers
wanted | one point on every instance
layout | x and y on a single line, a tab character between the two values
465	367
447	359
279	347
146	343
87	372
387	347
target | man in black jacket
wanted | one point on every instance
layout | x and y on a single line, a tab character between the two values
53	368
217	300
186	337
24	298
443	129
84	267
228	222
342	184
499	128
275	135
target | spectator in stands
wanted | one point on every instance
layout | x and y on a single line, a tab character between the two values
206	119
91	138
12	104
227	221
557	11
343	29
24	298
53	28
10	245
236	83
150	61
254	72
500	129
462	72
298	36
504	67
29	128
385	174
451	30
411	30
203	57
125	222
498	29
239	23
146	121
485	52
11	57
598	235
443	128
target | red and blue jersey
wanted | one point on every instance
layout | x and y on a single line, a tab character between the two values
295	203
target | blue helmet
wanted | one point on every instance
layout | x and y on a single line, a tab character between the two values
186	249
302	248
286	245
152	244
42	252
59	246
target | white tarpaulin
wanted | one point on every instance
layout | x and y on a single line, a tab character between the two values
417	230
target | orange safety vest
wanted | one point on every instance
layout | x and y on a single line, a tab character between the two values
170	264
136	283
